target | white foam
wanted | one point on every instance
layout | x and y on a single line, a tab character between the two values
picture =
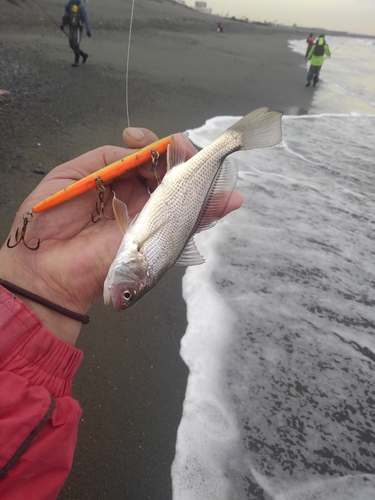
203	136
207	424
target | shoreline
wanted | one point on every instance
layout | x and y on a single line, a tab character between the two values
131	386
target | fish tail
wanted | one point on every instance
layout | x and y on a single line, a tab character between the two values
259	129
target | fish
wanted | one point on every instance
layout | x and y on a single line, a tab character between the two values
191	198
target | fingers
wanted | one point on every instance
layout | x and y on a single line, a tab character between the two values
136	138
101	157
234	203
88	163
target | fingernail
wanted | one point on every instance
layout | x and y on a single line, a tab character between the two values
135	133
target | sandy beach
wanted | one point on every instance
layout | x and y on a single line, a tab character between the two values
132	381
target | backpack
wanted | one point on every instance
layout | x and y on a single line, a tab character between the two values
73	14
319	50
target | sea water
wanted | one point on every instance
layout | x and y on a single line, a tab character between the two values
280	344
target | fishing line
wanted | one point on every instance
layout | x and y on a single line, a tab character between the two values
46	13
127	65
342	43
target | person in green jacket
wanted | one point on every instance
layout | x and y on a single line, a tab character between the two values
316	56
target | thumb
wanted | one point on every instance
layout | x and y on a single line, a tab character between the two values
138	137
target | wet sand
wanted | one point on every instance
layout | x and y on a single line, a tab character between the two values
132	381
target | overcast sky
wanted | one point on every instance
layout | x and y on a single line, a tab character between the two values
355	16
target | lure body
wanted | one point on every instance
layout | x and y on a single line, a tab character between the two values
105	174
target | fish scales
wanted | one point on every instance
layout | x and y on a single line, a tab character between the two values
182	194
191	198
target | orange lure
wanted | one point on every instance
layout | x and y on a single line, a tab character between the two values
105	174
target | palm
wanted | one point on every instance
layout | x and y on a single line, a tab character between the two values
75	253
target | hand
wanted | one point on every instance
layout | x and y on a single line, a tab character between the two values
89	34
74	256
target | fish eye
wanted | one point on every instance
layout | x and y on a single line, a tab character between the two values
127	295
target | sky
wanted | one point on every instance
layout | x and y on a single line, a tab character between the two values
354	16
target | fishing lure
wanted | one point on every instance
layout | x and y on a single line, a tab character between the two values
93	180
105	174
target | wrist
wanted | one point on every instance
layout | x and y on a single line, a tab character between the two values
63	327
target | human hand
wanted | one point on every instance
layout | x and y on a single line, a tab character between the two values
74	256
70	266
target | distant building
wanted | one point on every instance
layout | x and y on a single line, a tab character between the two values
202	7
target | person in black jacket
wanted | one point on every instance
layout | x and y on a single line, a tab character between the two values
75	16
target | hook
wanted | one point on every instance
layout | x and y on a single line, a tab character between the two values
100	188
154	159
26	220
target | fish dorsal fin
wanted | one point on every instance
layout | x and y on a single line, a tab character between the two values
218	196
176	153
190	255
121	213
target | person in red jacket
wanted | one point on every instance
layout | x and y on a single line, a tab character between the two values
310	40
38	416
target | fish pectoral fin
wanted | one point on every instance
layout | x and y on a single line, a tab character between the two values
176	153
121	213
190	255
218	196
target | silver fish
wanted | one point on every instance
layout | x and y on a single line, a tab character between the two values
191	198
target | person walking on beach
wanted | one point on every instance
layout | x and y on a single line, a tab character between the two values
310	40
316	55
75	16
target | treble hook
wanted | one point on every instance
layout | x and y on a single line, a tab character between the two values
100	188
154	160
26	220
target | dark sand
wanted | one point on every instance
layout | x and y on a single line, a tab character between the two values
132	381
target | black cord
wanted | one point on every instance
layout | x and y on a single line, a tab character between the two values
45	302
